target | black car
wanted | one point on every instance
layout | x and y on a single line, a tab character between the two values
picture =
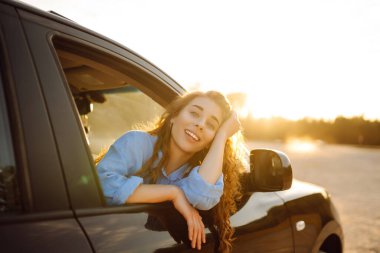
66	93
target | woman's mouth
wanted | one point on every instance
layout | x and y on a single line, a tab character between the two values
192	135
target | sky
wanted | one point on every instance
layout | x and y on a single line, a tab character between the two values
294	58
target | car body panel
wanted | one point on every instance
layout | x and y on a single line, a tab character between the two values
52	232
126	231
311	205
263	224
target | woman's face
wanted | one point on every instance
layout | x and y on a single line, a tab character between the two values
195	125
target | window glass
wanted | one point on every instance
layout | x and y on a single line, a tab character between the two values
123	109
101	86
9	197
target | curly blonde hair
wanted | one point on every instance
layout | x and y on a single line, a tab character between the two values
233	162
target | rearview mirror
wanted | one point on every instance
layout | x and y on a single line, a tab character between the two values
270	170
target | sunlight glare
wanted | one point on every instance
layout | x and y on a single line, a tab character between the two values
301	145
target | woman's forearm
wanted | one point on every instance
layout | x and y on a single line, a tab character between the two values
211	168
153	193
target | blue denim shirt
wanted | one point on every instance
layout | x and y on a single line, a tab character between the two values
128	154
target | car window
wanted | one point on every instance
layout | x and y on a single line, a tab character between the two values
119	110
9	192
106	99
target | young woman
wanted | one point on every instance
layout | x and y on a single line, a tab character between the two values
192	157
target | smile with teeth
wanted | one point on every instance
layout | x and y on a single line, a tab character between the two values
192	135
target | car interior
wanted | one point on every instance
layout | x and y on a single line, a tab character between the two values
106	98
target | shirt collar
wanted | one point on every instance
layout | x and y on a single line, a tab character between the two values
177	174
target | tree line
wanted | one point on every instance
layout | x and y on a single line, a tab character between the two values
342	130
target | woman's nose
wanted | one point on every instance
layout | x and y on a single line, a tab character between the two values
200	124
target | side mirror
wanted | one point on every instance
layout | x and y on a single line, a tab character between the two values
270	170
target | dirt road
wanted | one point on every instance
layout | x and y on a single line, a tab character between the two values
352	176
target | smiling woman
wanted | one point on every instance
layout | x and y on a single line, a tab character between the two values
189	158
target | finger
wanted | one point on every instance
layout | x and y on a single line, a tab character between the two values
195	235
203	233
190	228
202	229
199	238
234	115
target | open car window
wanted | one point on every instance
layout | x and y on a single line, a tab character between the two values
118	111
109	99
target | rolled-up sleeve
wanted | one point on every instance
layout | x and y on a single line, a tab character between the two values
117	168
200	193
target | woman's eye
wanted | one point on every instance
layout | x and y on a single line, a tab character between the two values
211	126
195	114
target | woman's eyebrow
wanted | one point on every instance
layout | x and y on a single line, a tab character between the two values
212	116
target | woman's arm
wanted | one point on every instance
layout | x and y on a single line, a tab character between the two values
117	168
155	193
116	171
200	193
211	167
204	185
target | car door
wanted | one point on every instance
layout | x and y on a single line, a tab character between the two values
262	224
35	214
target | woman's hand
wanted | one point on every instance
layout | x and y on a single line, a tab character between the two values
195	225
230	126
147	193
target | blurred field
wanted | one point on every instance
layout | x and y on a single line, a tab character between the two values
352	175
